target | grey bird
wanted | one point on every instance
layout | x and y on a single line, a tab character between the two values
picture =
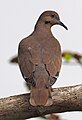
40	59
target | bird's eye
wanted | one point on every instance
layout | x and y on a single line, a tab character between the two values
52	16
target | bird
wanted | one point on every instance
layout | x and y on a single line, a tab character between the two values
40	58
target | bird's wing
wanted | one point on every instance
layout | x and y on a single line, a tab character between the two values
32	53
28	57
52	60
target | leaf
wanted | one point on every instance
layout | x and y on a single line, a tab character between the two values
67	56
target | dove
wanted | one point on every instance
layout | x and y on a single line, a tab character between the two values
40	58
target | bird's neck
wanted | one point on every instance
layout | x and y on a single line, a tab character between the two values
42	27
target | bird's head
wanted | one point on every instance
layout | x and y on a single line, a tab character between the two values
50	18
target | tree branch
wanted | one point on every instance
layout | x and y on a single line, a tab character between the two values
65	99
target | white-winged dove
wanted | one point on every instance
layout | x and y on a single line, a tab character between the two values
39	58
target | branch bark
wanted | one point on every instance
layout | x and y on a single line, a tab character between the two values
65	99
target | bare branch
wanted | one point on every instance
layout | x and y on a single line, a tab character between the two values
65	99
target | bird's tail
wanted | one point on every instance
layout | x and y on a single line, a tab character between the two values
40	97
41	93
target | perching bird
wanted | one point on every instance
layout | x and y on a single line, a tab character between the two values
39	58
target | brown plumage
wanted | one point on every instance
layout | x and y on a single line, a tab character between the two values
39	58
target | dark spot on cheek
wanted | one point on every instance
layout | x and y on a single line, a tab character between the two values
46	22
52	16
36	65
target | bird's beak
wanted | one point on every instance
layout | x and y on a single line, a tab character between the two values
60	23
